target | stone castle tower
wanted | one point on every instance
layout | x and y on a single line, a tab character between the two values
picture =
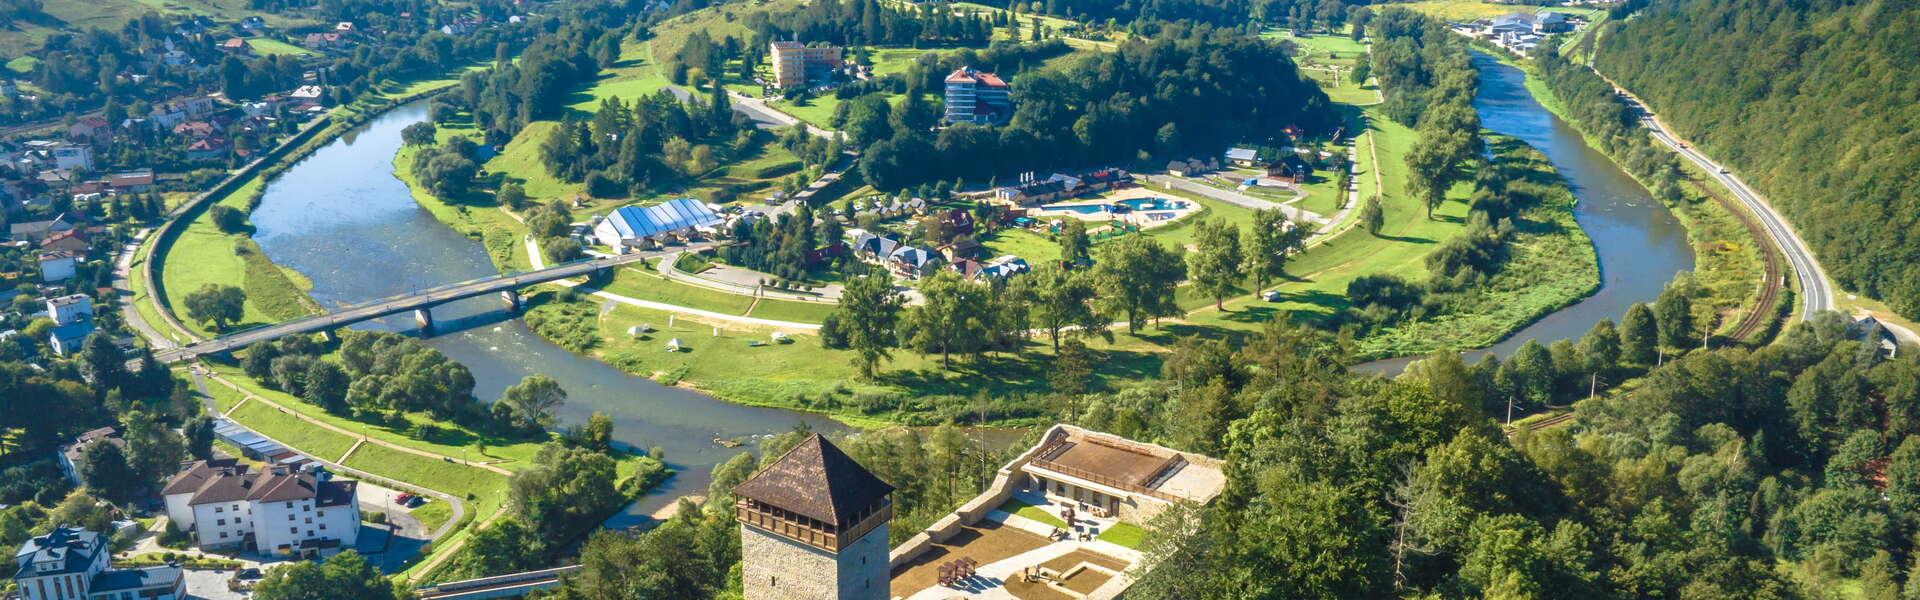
813	526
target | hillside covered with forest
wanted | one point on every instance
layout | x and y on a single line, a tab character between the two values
1813	103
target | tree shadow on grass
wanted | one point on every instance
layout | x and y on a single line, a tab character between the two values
1001	374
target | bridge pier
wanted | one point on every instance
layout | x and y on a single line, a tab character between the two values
512	298
424	317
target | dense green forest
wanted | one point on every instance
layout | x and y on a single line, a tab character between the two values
1812	102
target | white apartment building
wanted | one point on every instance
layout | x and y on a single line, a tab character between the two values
279	510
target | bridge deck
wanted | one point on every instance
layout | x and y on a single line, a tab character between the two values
408	302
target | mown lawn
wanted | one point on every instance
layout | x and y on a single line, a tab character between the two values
270	47
1034	247
202	255
638	282
792	310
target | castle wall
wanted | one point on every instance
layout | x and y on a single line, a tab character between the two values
773	567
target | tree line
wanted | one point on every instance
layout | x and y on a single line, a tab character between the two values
1117	106
1808	114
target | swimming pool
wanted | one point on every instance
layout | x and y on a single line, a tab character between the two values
1085	209
1127	205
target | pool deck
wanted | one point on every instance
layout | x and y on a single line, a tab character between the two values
1006	544
1144	219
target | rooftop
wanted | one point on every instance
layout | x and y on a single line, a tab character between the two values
73	548
816	480
1131	466
225	480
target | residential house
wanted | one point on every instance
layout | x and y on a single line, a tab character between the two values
70	563
69	157
1509	23
275	509
631	227
35	231
913	262
72	456
307	96
212	148
131	182
1004	266
323	40
195	129
166	115
1552	22
1192	167
958	221
91	129
974	96
72	240
1291	169
253	22
236	46
1243	157
962	248
58	265
72	323
872	247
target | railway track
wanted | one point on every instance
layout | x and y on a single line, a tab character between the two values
1771	282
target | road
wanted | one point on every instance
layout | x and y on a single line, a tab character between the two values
424	299
756	109
1816	290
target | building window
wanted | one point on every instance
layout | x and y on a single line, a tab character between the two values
218	509
293	530
220	522
289	517
306	507
223	535
289	504
323	526
773	581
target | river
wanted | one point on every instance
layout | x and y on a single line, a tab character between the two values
1640	244
341	218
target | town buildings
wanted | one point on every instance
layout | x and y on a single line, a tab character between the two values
977	97
1032	191
71	456
72	323
70	563
813	526
794	63
58	265
1120	478
278	509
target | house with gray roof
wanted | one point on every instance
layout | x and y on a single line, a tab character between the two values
70	563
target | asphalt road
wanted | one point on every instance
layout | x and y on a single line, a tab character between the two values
1816	290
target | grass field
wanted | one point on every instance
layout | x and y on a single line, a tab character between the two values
638	282
1016	507
270	47
477	216
202	255
792	310
21	36
1034	247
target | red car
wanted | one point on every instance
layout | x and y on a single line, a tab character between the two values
403	499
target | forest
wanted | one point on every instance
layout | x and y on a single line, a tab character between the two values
1111	106
1811	103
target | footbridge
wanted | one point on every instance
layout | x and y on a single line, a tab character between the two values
420	303
503	586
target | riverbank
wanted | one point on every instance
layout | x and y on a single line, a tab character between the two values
1730	270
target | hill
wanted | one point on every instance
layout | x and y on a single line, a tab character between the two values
1812	103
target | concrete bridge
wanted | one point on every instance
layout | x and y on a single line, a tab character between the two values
420	303
503	586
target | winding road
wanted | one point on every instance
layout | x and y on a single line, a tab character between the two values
1816	289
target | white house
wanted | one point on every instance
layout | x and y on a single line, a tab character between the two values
57	265
70	563
72	322
72	157
632	226
278	510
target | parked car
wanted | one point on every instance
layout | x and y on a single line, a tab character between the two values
416	501
1271	296
247	573
404	498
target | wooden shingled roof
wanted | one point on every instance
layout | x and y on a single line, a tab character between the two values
816	480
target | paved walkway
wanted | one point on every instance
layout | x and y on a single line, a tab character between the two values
129	311
1236	198
533	249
